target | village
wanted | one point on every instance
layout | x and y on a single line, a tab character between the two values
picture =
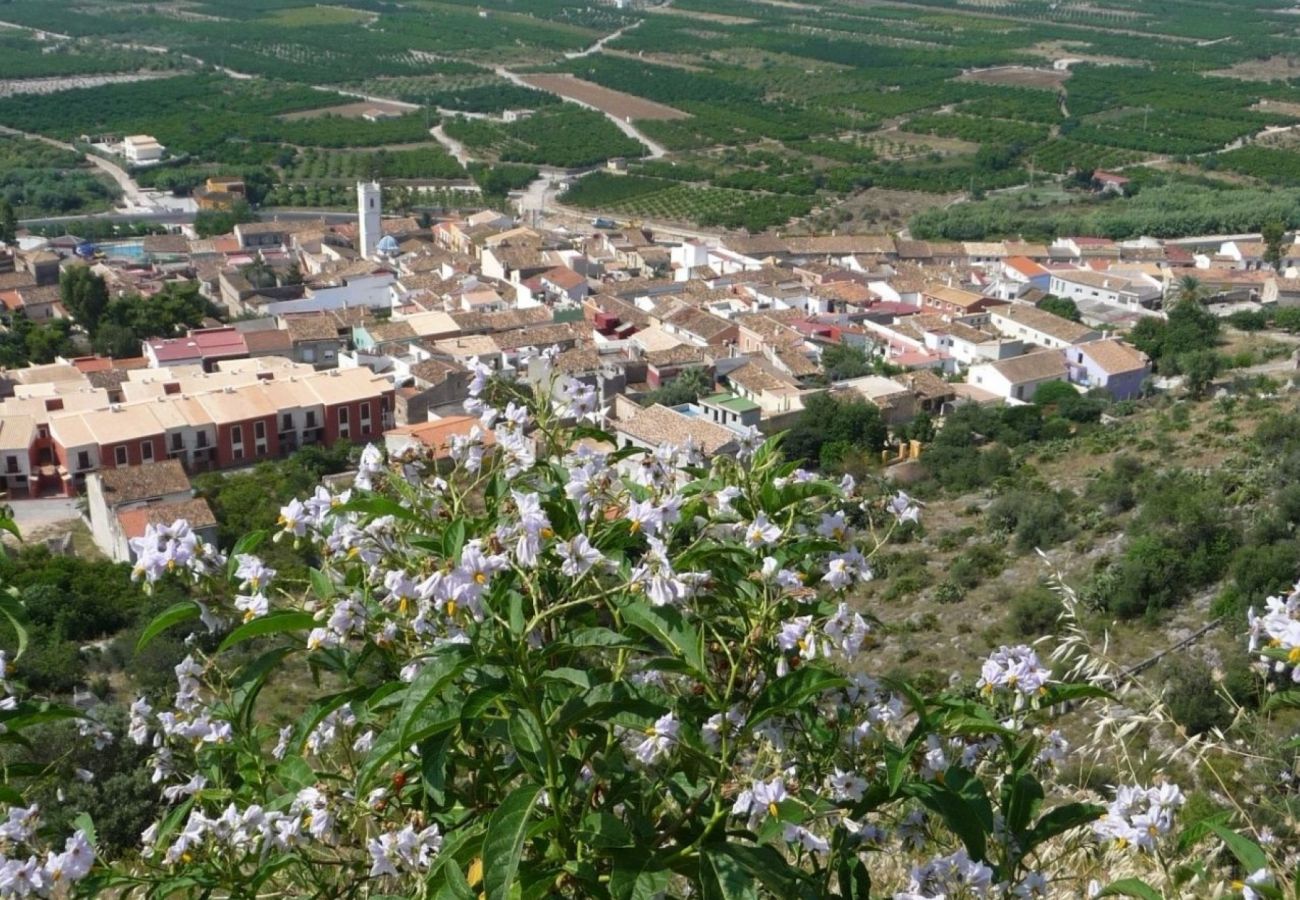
375	338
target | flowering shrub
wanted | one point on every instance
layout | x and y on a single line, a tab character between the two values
557	669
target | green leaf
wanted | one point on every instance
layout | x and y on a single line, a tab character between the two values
277	622
321	585
788	693
16	613
723	878
960	817
1062	819
172	615
504	842
1248	853
667	626
1196	832
87	825
1131	887
637	876
1026	795
453	540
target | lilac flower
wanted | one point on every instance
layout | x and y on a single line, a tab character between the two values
579	556
761	532
657	741
1013	669
762	799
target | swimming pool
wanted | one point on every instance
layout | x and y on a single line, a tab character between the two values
123	250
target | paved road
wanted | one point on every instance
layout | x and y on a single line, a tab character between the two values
34	515
657	150
130	189
454	147
173	217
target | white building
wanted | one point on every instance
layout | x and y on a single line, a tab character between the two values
142	148
1017	379
370	210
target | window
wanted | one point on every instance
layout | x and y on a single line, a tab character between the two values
119	455
43	431
203	440
259	431
311	418
178	441
237	435
286	422
83	459
365	416
146	451
11	464
344	431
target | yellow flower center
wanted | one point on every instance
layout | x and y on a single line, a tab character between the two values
403	605
451	607
480	578
1293	656
547	533
187	857
772	810
636	526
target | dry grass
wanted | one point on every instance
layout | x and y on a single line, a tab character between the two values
1018	76
1275	68
348	110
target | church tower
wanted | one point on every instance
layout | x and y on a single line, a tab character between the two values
369	212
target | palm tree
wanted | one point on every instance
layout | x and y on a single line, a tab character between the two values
1189	289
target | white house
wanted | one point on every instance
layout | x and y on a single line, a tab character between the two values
142	148
1038	326
1139	291
1017	379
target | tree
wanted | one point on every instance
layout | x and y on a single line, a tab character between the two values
843	361
1274	232
8	222
1288	319
828	420
211	222
294	273
687	387
85	295
1200	368
1189	290
117	341
1060	306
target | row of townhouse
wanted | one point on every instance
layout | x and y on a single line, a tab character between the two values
51	440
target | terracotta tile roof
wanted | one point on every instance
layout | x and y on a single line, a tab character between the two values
196	511
268	340
1043	321
435	371
1113	356
437	434
659	425
128	484
1038	366
311	327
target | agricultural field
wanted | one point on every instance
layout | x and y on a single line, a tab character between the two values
613	103
39	180
936	97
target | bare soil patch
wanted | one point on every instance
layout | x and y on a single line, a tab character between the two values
1278	106
348	110
613	103
719	18
1078	50
1275	68
1018	76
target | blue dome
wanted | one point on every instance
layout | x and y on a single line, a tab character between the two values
388	245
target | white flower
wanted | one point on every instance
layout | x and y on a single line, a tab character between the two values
761	800
578	555
370	465
253	573
847	786
797	834
761	532
657	741
1014	669
1258	878
904	508
252	605
1139	816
